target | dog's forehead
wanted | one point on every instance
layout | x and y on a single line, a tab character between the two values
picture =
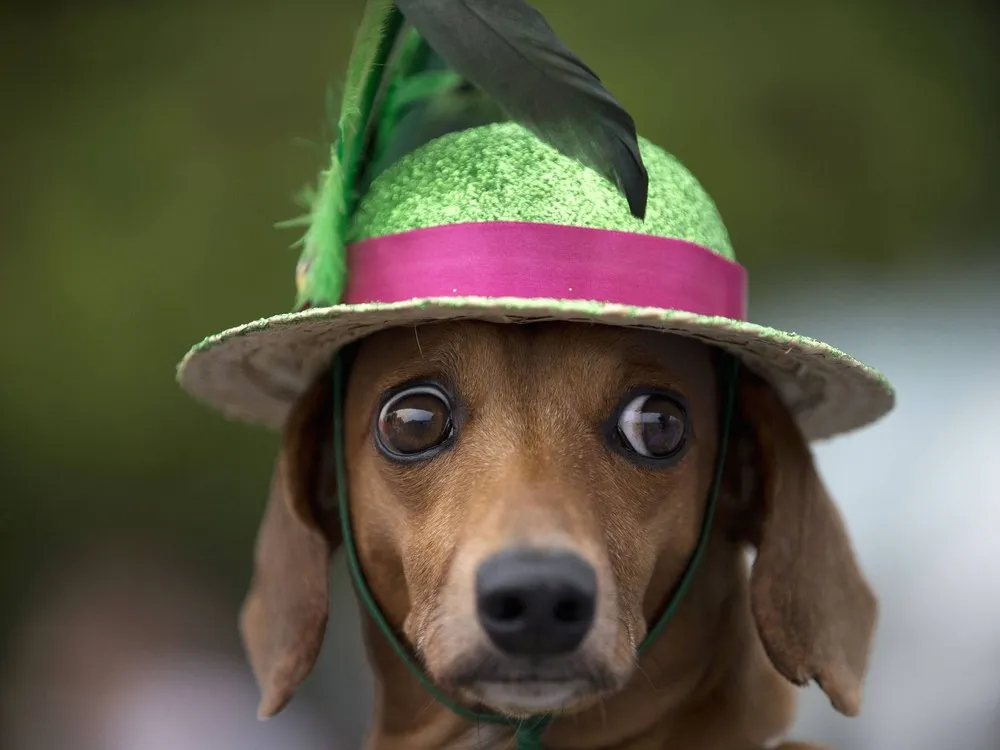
551	353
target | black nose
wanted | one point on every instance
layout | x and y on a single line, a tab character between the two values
536	602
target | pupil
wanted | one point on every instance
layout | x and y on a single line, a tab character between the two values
660	433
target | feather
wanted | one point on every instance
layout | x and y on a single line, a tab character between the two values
426	100
322	267
507	49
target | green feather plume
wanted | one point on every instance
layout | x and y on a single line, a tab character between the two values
397	96
322	267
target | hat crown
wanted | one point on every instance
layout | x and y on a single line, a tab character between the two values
503	173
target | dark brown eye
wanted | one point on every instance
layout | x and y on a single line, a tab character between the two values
653	425
414	421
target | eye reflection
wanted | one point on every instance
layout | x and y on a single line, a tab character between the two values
653	425
414	421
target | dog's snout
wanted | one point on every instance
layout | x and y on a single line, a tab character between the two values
536	602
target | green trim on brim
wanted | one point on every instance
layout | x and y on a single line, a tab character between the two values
256	371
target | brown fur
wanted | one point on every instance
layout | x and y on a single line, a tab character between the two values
531	467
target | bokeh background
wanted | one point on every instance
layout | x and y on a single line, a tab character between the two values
147	150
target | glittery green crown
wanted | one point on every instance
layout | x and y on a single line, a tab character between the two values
503	173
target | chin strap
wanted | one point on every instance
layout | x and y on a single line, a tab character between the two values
527	732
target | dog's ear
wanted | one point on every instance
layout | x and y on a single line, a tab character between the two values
284	615
814	611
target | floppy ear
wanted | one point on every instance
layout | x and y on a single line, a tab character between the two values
284	615
815	612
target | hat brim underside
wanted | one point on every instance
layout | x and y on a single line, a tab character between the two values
256	371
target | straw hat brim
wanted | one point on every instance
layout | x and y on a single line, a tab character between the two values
255	372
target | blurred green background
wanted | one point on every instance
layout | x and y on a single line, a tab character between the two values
148	149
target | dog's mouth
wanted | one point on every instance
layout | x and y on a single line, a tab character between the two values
530	697
523	689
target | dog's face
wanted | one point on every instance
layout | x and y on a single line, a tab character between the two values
524	500
535	490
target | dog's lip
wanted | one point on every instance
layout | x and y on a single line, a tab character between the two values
514	677
517	696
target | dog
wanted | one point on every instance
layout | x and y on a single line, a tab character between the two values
524	500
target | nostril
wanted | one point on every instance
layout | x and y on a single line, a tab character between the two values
570	610
504	608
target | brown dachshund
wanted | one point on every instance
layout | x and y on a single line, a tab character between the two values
524	499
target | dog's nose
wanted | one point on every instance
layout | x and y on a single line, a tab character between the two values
536	602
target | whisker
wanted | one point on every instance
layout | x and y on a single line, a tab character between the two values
645	674
513	738
427	704
416	335
604	711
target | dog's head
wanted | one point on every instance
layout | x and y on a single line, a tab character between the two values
524	500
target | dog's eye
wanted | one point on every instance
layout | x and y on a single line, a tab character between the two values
653	425
414	421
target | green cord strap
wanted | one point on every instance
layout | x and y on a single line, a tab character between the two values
527	732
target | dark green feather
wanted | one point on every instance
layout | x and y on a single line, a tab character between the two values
506	48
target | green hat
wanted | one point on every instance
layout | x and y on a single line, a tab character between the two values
507	203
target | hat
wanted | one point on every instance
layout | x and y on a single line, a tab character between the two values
500	181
